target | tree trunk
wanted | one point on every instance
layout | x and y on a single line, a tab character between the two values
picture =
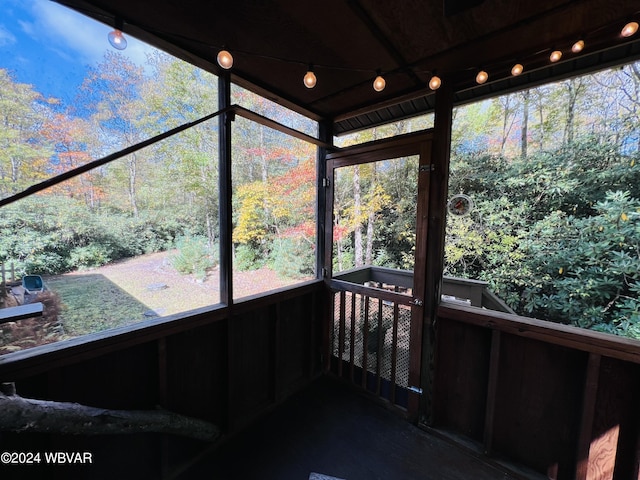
357	211
133	171
525	124
574	88
27	415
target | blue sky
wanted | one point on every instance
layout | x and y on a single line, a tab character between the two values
50	46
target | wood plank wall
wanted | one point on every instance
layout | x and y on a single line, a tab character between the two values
561	401
227	366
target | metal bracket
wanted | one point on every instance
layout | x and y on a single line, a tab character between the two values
417	302
413	389
430	167
326	182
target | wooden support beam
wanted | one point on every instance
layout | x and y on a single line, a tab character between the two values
588	412
494	363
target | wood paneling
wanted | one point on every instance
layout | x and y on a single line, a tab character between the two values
197	373
228	368
538	398
564	405
462	367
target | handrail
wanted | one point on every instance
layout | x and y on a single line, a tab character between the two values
475	291
380	293
20	312
554	333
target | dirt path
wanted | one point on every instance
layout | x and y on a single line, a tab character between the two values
152	280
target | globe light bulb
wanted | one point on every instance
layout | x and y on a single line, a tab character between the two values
379	83
225	59
117	40
435	82
629	29
555	55
578	46
482	77
517	69
310	79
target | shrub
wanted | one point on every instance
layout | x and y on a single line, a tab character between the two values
293	258
247	258
193	257
90	256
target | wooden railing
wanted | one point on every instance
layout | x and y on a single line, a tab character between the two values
558	399
370	338
460	290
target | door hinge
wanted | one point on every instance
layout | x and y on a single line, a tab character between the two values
326	182
324	273
413	389
427	168
417	302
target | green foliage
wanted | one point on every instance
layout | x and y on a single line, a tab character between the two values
558	235
194	256
52	235
293	258
89	256
248	257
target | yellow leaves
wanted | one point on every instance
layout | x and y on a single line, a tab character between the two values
560	270
250	225
624	217
633	162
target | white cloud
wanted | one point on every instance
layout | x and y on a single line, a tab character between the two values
6	37
64	29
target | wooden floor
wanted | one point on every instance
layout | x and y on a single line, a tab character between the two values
332	430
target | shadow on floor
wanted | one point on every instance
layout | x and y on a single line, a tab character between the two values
330	429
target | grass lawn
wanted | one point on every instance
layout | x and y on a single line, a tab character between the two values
91	303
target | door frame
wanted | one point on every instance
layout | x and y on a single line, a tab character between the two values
414	144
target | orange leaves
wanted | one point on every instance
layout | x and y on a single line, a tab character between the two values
285	204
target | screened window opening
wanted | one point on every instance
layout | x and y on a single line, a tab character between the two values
274	209
544	201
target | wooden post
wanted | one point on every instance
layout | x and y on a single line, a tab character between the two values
494	362
438	187
588	411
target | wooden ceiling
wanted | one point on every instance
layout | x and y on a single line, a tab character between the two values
349	41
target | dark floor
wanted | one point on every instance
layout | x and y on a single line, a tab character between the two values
330	429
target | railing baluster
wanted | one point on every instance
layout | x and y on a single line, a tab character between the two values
394	352
341	320
380	348
352	334
365	343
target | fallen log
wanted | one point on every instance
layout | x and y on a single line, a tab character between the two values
18	414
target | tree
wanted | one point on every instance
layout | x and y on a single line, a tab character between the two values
24	152
187	164
70	136
112	93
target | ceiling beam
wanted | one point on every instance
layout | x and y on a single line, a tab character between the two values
377	32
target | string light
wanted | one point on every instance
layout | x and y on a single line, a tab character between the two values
435	82
517	69
116	38
629	29
379	83
310	78
578	46
225	59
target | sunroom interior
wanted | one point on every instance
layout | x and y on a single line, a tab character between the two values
398	364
